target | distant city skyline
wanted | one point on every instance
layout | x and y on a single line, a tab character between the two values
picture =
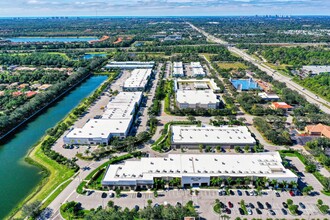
23	8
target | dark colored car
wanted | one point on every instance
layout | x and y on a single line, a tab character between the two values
251	205
241	211
259	212
285	205
228	211
302	205
136	208
284	211
269	206
239	192
247	193
139	195
272	212
104	195
230	205
222	205
277	194
231	192
260	205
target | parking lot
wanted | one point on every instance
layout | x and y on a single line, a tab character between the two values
205	199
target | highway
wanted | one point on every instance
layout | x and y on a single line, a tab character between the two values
310	97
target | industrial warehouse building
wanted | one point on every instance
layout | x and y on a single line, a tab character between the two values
177	69
196	93
138	80
197	99
130	65
115	122
225	136
197	69
196	169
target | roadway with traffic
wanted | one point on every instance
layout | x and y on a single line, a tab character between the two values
310	97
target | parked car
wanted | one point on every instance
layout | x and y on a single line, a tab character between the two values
302	205
139	195
291	193
259	212
241	211
277	194
247	193
269	206
284	211
156	205
285	205
136	208
298	193
239	192
231	192
260	205
251	193
230	205
272	212
228	211
111	195
251	205
249	211
104	195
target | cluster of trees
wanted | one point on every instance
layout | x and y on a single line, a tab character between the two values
42	76
265	29
318	148
20	114
323	207
203	112
273	129
73	210
36	59
319	84
253	104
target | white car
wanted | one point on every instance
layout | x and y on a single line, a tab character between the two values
249	211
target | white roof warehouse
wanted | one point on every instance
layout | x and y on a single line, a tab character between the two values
138	80
130	65
225	136
197	169
115	122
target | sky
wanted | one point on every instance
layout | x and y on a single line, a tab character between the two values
22	8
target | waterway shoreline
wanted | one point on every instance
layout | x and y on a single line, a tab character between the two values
6	137
36	157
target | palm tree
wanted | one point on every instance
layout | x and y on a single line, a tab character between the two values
214	181
239	181
274	182
229	180
247	180
285	184
258	181
293	184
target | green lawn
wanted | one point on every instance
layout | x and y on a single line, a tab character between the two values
232	65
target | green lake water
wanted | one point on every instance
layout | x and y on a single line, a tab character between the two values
17	178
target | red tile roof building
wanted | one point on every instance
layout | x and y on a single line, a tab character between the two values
318	130
281	105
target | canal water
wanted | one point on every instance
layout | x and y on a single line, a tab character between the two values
17	178
49	39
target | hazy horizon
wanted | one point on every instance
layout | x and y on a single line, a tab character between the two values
44	8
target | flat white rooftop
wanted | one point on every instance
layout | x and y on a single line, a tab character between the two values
130	64
265	95
138	79
209	82
317	69
100	128
200	165
117	118
122	105
178	69
192	97
197	69
225	135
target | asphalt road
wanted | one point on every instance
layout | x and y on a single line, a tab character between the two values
310	97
